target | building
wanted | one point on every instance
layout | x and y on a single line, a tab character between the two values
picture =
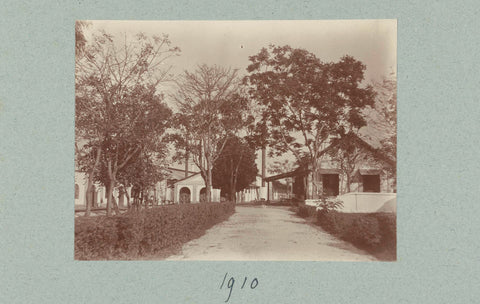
190	189
179	187
365	189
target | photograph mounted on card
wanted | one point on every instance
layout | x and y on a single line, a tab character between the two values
236	140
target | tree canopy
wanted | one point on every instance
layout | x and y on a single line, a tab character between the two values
235	169
210	111
119	112
306	101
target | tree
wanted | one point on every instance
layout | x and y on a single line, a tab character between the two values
347	153
118	110
80	39
306	101
211	109
143	172
235	168
386	106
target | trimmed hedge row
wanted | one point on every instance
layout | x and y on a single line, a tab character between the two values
145	232
374	232
306	211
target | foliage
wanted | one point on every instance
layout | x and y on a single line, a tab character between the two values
374	232
235	167
118	110
386	106
210	110
80	39
305	101
306	211
329	204
147	232
281	166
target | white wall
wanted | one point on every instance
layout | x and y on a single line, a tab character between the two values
364	202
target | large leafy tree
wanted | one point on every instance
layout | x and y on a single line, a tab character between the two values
118	110
306	101
210	110
235	169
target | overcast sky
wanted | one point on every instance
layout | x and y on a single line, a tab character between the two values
230	43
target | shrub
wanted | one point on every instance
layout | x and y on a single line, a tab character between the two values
306	211
139	233
388	229
329	204
374	232
364	232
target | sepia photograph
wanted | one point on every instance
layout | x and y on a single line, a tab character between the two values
236	140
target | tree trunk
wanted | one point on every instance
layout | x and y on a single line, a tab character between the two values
115	206
208	189
110	186
88	194
235	177
264	158
234	186
121	196
314	182
186	163
348	182
128	197
91	174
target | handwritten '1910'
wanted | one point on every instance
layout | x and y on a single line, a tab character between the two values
231	283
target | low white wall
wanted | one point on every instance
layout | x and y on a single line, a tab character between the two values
364	202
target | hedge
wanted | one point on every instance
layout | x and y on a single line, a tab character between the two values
146	232
306	210
374	232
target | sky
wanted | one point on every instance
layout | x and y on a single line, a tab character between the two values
230	43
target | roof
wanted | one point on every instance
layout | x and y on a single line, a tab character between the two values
296	172
190	176
178	174
359	140
376	152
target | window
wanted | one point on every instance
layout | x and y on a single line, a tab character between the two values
371	183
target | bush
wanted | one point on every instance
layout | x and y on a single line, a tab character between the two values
364	232
139	233
374	232
306	211
388	224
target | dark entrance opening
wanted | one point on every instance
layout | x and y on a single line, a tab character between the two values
330	184
203	195
371	183
184	195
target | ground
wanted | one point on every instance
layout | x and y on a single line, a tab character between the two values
268	233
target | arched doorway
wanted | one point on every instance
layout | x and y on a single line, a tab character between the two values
185	195
203	195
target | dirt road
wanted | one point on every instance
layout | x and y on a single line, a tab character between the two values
268	233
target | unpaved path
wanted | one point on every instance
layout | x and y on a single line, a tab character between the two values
268	233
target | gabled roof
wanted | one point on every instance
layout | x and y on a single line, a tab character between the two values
185	178
297	172
178	174
376	152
